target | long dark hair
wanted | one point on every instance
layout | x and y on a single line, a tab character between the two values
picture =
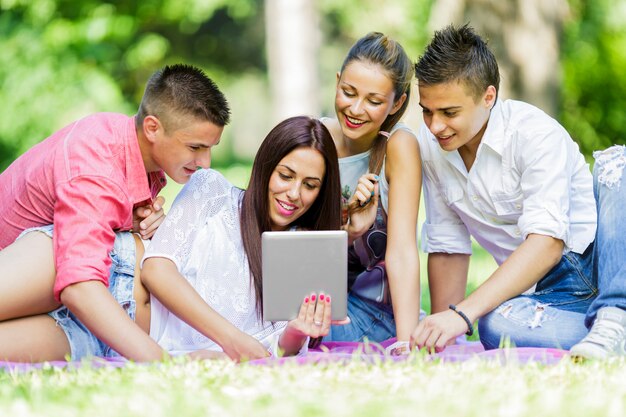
325	212
377	48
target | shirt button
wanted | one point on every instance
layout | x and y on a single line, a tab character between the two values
517	232
518	206
475	197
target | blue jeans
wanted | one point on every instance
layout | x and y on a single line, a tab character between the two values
82	342
368	319
611	235
568	298
553	316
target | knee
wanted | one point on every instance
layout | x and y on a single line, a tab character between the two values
491	329
610	165
510	323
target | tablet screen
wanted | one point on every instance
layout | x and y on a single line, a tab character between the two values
297	263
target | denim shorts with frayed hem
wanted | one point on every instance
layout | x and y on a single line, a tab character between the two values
82	342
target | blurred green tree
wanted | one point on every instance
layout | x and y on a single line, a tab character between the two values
594	85
61	60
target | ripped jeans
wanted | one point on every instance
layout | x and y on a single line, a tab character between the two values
566	301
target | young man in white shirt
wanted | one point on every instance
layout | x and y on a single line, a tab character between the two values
510	176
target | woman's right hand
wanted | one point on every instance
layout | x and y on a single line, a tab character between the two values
242	347
362	206
313	320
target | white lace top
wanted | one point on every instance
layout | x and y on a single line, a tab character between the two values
201	235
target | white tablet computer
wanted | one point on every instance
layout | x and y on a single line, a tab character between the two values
295	264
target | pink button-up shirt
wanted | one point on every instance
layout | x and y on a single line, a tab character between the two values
86	179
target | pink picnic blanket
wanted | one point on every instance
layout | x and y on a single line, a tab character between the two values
343	352
375	352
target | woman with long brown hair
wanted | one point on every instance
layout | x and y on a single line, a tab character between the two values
202	269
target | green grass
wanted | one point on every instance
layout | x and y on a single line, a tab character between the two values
414	388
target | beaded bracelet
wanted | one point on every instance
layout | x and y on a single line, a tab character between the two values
470	327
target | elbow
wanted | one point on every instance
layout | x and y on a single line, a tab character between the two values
402	254
157	273
402	265
556	251
74	296
70	295
146	275
552	250
153	272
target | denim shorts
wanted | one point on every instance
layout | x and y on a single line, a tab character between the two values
82	342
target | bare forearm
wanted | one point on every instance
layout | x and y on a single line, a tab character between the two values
178	296
530	262
447	279
108	322
404	286
404	175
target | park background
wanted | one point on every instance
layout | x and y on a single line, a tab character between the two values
61	60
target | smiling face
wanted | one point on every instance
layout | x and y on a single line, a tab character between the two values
364	98
454	116
294	185
181	151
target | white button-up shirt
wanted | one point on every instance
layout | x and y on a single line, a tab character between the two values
528	177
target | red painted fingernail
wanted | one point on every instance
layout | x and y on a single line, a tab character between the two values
306	299
321	297
313	297
328	298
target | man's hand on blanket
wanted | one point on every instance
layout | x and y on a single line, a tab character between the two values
437	331
146	219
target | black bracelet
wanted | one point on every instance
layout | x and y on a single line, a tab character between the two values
470	327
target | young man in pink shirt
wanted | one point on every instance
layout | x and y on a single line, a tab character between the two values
99	175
